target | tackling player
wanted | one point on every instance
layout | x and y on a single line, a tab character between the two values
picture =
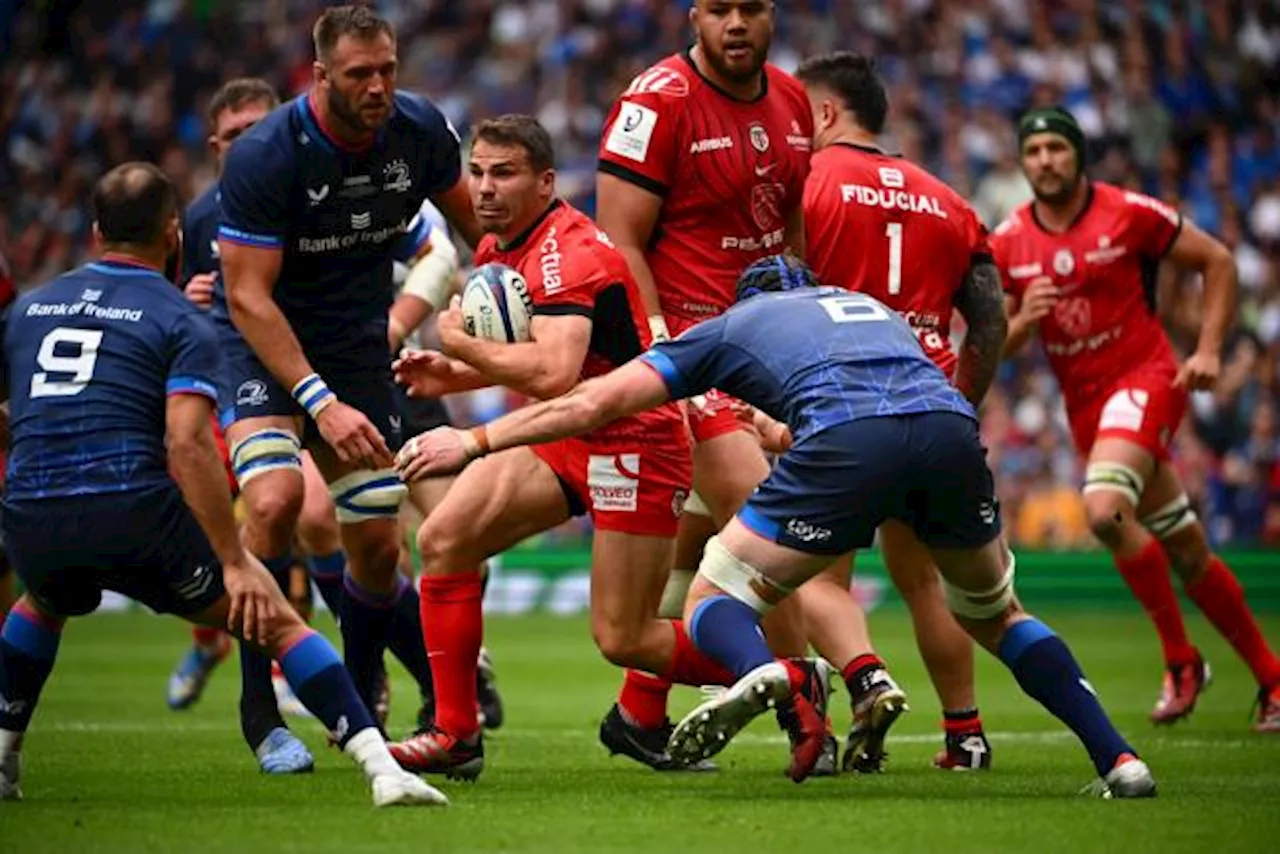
318	199
879	433
921	250
115	482
1079	263
702	168
632	476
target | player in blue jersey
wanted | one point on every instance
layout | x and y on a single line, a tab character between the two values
318	200
114	479
876	432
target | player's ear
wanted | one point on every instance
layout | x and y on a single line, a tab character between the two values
319	73
97	235
547	183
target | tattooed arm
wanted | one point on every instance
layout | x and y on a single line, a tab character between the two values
981	303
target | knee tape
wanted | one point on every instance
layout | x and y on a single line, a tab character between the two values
1171	518
674	594
364	495
694	504
739	579
264	451
975	604
1114	477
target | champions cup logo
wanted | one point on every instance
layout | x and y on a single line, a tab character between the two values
1074	316
759	138
766	205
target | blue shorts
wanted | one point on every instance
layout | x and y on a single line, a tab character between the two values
420	414
358	372
829	492
146	545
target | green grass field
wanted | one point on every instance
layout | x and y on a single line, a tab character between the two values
110	768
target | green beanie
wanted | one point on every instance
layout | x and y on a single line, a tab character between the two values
1053	120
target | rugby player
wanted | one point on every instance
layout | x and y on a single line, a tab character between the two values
701	171
115	482
318	200
922	251
632	476
879	433
1079	264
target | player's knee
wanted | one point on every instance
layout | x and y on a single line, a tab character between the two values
619	644
274	503
1111	492
987	605
366	495
443	545
318	524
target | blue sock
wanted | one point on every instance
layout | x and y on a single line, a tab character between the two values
366	621
28	648
404	638
327	571
1049	674
316	675
259	714
729	631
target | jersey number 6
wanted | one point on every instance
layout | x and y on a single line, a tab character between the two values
80	366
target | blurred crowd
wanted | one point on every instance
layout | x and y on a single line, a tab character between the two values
1180	98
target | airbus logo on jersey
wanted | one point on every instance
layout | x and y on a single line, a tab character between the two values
718	143
317	196
891	199
396	176
759	138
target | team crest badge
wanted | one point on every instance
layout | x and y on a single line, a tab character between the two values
1064	262
1074	316
678	498
759	138
395	176
766	205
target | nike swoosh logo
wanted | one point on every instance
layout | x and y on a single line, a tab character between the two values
761	171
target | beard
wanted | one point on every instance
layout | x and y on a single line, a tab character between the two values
348	113
720	64
1058	194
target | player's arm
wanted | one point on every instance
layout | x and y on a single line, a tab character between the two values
250	274
433	272
544	367
430	373
632	388
197	467
1025	312
628	213
981	302
1195	250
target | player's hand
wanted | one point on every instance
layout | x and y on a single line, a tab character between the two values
1039	299
254	602
424	373
775	437
1199	372
353	437
200	289
432	454
453	335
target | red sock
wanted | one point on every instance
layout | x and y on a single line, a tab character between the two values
689	666
643	699
961	722
866	661
205	636
452	629
1219	595
1147	574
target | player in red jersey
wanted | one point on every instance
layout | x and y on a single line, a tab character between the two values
921	250
632	476
701	172
1079	263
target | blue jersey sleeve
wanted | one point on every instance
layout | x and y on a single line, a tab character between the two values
255	194
407	247
194	358
689	364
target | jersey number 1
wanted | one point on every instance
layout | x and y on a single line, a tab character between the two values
79	366
894	231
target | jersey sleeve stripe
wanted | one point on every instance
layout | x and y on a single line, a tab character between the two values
644	182
562	310
191	385
248	238
661	362
1173	238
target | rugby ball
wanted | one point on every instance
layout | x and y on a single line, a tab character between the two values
496	304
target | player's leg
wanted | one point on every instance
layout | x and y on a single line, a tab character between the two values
1165	511
320	537
1122	460
494	503
946	648
265	455
29	642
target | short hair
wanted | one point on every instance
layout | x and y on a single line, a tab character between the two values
853	78
133	203
524	131
238	93
360	22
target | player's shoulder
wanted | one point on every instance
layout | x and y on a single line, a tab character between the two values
268	149
1012	226
1125	201
783	84
417	114
206	206
665	85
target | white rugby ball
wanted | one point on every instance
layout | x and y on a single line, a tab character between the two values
496	304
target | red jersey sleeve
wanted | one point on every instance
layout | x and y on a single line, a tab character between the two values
1152	226
566	280
640	140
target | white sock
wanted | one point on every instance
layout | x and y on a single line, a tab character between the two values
370	752
10	741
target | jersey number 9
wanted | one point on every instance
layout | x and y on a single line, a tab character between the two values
85	342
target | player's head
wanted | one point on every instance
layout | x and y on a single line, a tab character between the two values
1051	145
843	88
355	67
237	106
135	211
733	35
773	274
511	173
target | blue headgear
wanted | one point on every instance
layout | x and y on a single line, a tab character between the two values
775	273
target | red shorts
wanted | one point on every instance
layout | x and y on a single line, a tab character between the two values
714	413
626	487
1144	409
